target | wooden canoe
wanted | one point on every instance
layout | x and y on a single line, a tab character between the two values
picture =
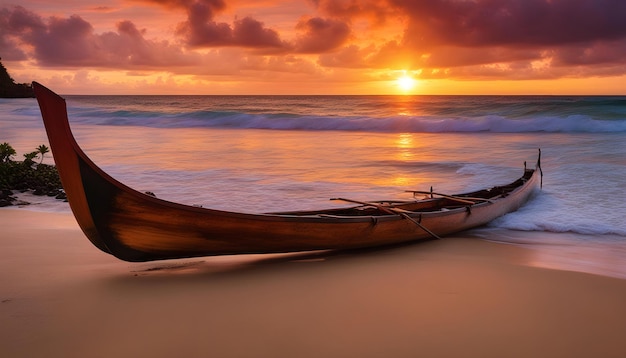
134	226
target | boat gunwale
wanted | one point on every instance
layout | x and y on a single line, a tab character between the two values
315	216
129	224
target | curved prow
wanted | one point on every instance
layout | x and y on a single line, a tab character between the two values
67	157
134	226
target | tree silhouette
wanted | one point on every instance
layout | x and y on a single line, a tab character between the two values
28	158
6	152
10	89
42	149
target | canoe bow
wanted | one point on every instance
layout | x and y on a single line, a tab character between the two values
134	226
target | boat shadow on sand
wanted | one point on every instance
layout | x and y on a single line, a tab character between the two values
244	266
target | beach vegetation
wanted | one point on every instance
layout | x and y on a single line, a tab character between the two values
27	175
6	152
42	149
10	89
29	158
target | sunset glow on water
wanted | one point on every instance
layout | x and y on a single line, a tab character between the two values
271	106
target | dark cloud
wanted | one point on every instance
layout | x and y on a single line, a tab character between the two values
249	32
66	42
568	38
512	22
11	29
215	5
516	39
491	23
19	20
72	42
598	53
376	11
201	30
321	35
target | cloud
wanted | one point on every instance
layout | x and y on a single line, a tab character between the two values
466	33
9	42
66	41
72	42
103	9
376	11
598	53
318	35
351	56
249	32
19	20
201	30
10	50
459	39
246	32
488	38
215	5
511	22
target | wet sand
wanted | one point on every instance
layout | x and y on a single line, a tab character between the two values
457	297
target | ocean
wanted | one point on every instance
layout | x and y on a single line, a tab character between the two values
274	153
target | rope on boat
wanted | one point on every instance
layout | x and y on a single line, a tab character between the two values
395	211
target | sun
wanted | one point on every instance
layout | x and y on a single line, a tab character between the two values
406	82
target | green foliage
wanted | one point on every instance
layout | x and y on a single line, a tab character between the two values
41	179
6	152
28	158
42	149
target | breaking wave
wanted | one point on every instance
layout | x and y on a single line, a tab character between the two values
392	124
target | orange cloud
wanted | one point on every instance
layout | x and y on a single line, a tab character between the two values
492	38
324	39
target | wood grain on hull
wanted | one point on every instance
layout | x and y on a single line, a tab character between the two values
134	226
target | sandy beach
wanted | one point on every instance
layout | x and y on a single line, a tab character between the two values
457	297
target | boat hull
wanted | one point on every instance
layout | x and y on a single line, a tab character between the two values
134	226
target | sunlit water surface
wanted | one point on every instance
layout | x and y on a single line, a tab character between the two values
264	154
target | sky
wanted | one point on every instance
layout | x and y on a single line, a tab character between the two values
317	46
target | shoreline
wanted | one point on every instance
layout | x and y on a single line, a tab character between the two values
460	296
599	254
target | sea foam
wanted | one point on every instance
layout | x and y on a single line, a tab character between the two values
394	124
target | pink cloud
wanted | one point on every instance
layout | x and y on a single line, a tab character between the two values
66	41
9	35
511	22
20	21
72	42
215	5
201	30
376	10
467	39
249	32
